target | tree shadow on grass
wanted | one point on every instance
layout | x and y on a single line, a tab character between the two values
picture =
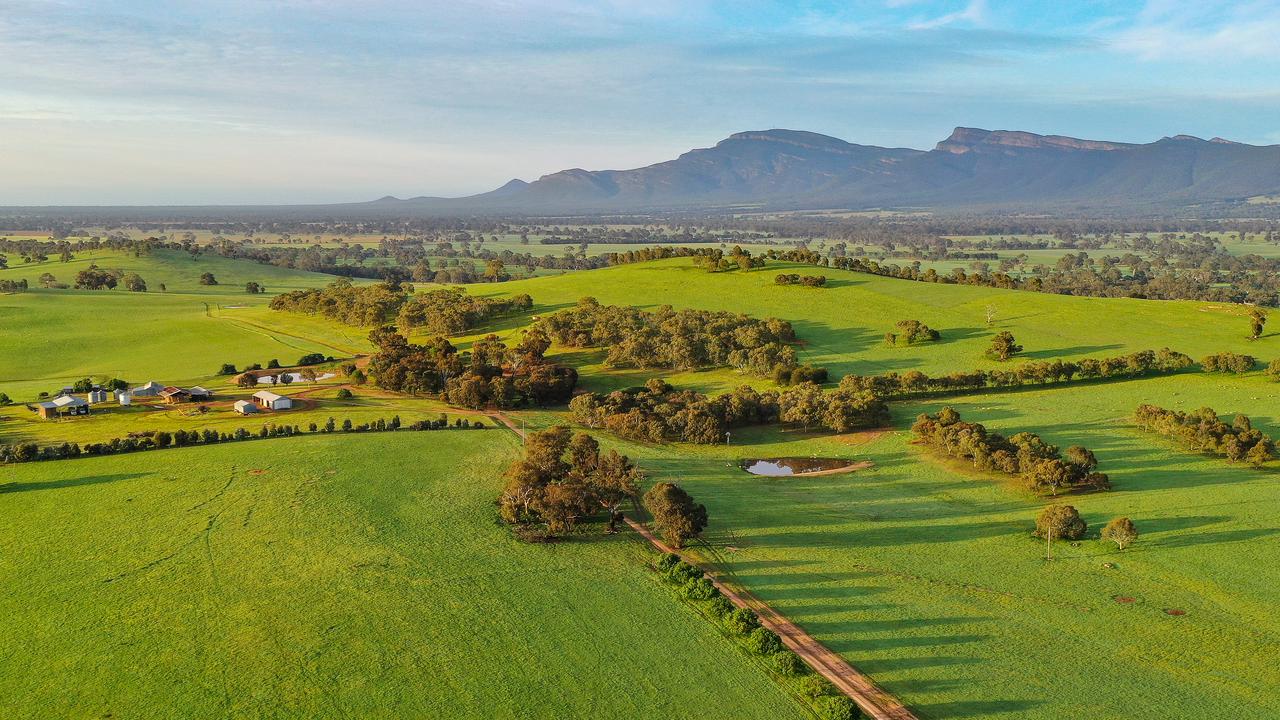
1063	352
974	708
15	487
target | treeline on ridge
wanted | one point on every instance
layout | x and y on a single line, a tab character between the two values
914	382
444	311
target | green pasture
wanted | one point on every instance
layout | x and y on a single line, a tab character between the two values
923	573
327	577
49	338
842	326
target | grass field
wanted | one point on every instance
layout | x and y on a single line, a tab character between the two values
325	577
917	570
49	338
925	575
842	326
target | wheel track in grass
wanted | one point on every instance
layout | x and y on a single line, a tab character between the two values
874	701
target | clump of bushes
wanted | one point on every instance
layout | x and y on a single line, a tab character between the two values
763	641
742	621
797	279
344	394
1228	362
911	332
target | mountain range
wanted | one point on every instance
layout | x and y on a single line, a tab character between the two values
971	168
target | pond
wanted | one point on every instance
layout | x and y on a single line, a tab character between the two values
780	467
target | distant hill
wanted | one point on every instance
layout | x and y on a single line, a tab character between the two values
971	168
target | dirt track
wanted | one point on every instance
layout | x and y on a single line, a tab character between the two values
875	702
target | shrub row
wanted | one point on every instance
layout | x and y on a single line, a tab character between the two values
744	624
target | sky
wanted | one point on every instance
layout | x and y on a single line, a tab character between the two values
298	101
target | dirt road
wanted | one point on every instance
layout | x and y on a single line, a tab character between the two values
874	701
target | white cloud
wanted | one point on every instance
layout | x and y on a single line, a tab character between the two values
974	13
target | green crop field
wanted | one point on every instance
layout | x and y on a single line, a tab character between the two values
334	577
918	570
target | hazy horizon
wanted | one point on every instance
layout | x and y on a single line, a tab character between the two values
317	101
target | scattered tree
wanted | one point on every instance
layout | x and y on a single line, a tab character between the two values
1120	531
675	515
1003	346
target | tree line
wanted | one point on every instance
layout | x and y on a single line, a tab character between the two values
1039	465
659	412
1203	430
914	383
161	439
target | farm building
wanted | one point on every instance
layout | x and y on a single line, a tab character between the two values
63	406
244	407
151	389
199	394
174	395
98	396
124	397
270	401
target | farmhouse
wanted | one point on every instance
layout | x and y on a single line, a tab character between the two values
151	389
174	395
244	407
271	401
63	406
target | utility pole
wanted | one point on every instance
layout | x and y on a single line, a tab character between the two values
1048	544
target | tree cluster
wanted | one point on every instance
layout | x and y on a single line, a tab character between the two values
1228	362
911	332
564	479
658	412
1039	465
450	311
677	339
916	383
715	260
797	279
1204	431
489	374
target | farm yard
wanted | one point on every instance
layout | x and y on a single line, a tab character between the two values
916	568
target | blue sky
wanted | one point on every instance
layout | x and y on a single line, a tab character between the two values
323	100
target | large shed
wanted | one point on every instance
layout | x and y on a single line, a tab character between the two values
270	401
63	406
151	389
244	407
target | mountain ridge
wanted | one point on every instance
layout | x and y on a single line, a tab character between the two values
799	169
